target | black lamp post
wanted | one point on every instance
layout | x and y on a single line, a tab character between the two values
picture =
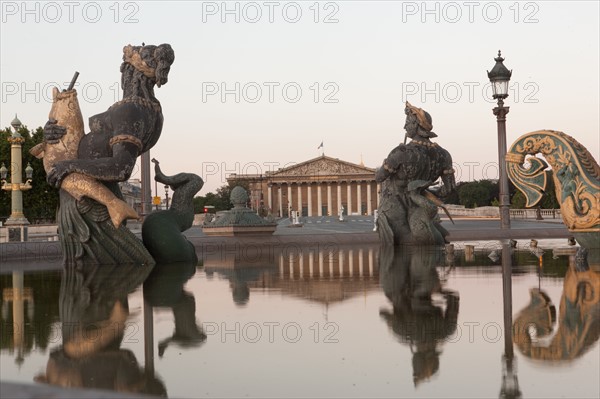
499	77
167	196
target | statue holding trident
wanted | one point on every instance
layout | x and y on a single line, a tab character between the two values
408	206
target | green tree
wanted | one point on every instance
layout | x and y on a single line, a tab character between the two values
548	200
220	200
518	200
477	193
41	201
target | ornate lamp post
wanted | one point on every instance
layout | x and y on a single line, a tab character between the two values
499	77
16	185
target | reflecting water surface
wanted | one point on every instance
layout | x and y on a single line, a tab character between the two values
312	321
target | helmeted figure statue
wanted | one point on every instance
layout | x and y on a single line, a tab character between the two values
409	278
408	208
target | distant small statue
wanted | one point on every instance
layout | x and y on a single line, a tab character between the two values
209	218
408	206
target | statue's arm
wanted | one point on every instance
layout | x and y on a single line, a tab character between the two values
126	146
448	178
116	168
391	163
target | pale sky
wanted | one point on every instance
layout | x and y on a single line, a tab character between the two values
259	85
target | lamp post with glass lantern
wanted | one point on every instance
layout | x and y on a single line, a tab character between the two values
499	77
16	185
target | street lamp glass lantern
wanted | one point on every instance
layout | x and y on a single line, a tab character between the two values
3	172
29	171
499	77
500	88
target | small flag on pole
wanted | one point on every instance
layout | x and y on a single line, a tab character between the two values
320	146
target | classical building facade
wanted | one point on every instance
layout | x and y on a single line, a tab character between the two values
132	193
318	187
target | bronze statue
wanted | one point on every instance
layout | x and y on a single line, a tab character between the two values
409	278
164	288
539	336
94	313
108	154
66	111
576	178
162	230
408	207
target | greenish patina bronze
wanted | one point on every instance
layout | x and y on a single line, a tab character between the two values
409	279
162	230
575	330
240	220
408	206
576	178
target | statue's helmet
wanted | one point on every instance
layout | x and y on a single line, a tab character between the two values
423	118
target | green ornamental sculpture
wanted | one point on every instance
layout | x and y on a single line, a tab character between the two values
576	177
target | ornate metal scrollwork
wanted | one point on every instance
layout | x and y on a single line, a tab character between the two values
576	176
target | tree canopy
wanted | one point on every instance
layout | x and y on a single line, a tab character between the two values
487	193
220	200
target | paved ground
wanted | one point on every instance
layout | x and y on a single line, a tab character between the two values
364	224
462	229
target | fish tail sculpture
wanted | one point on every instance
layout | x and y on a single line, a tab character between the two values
65	109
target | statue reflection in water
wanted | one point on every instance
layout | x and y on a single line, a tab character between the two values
535	332
241	278
410	279
93	309
164	289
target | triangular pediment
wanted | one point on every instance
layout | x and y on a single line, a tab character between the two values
323	166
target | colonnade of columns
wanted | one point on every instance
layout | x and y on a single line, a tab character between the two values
323	198
324	263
